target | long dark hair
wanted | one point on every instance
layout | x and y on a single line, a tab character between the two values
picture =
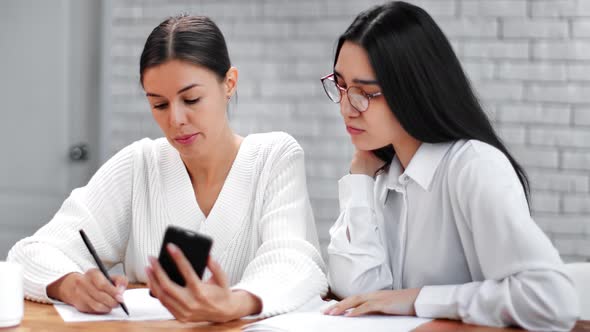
421	78
194	39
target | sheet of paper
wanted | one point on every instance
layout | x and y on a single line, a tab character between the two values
310	318
140	304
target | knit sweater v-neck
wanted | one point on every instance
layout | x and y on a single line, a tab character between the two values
262	225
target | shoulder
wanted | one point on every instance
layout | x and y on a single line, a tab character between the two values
147	146
143	152
272	153
477	156
274	145
477	169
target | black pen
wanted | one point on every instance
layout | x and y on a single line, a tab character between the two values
99	263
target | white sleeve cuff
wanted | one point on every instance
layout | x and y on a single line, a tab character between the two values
437	302
267	294
356	190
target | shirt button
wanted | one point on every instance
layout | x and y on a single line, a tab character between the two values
405	178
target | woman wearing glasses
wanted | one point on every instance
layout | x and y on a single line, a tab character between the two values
248	193
434	217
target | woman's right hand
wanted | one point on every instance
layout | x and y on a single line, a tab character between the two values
90	292
365	162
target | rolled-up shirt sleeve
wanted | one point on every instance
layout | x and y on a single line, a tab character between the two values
357	256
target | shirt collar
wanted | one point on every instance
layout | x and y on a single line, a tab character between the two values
421	168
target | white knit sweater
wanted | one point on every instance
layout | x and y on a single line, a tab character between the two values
262	224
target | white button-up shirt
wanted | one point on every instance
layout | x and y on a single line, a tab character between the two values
455	223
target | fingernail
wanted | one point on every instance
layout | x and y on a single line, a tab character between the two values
120	289
119	298
152	260
172	248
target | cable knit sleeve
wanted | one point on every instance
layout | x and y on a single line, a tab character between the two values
288	269
102	208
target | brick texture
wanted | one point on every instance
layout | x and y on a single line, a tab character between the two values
528	59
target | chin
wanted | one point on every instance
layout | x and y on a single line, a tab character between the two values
184	149
365	145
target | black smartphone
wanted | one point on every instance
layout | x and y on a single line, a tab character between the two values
195	247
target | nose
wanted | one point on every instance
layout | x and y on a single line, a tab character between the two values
178	115
346	108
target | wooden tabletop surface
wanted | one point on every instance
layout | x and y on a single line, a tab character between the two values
43	317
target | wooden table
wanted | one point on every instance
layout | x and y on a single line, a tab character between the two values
43	317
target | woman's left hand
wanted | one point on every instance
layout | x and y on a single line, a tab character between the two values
198	301
389	302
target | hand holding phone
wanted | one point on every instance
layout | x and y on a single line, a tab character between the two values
196	300
194	246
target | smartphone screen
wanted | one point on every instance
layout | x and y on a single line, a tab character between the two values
195	247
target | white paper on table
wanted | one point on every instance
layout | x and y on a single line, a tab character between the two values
309	318
140	304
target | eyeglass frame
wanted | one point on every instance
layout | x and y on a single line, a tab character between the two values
369	96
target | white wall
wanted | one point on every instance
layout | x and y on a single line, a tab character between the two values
528	59
49	87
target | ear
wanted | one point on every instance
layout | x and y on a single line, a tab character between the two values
231	81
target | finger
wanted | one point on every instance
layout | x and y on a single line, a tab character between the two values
166	286
121	284
218	276
363	309
178	310
186	269
90	305
101	283
104	298
99	295
120	281
152	283
167	301
184	298
342	306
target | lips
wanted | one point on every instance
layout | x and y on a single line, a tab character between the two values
354	131
186	139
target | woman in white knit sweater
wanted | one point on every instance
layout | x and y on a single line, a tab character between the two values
248	193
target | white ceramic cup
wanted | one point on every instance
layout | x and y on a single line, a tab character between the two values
12	302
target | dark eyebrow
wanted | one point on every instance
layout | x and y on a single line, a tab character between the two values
367	82
149	94
357	80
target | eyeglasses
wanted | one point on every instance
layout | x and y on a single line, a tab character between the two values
358	98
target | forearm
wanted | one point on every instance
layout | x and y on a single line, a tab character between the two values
358	260
57	289
245	304
43	264
355	275
534	300
284	276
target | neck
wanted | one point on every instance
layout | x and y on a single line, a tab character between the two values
213	166
405	149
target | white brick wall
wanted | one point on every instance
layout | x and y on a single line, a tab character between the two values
493	8
528	59
496	49
540	28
